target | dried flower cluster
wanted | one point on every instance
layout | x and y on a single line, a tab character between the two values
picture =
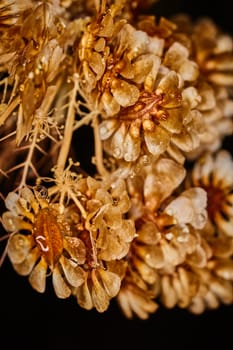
153	225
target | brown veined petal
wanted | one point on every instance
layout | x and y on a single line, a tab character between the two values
157	141
37	277
125	94
99	295
84	298
97	64
60	286
169	86
174	121
18	247
73	273
114	247
76	248
111	282
132	148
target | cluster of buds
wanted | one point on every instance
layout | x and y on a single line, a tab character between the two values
152	225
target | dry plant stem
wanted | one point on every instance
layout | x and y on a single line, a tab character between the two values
68	133
77	202
28	162
4	254
9	110
98	149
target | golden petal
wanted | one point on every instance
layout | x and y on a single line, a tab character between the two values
60	286
147	273
152	255
169	87
99	295
197	258
174	121
11	201
117	142
224	269
73	273
106	27
14	223
110	105
197	305
169	296
114	248
124	93
25	267
171	254
19	247
141	305
37	277
111	282
223	289
97	64
123	300
211	300
107	128
84	298
157	141
148	233
127	230
132	148
76	248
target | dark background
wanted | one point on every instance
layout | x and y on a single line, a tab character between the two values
30	320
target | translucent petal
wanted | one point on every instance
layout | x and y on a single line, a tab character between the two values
169	296
84	298
37	277
60	286
99	295
157	141
19	247
125	94
76	248
14	223
132	148
107	128
25	267
111	282
73	273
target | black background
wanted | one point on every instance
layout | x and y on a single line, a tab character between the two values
30	320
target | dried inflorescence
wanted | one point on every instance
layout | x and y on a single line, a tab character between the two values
152	224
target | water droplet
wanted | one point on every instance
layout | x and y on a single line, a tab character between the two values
117	152
169	236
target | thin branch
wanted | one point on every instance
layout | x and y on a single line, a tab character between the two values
98	149
68	132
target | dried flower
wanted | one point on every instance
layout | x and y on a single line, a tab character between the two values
146	218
